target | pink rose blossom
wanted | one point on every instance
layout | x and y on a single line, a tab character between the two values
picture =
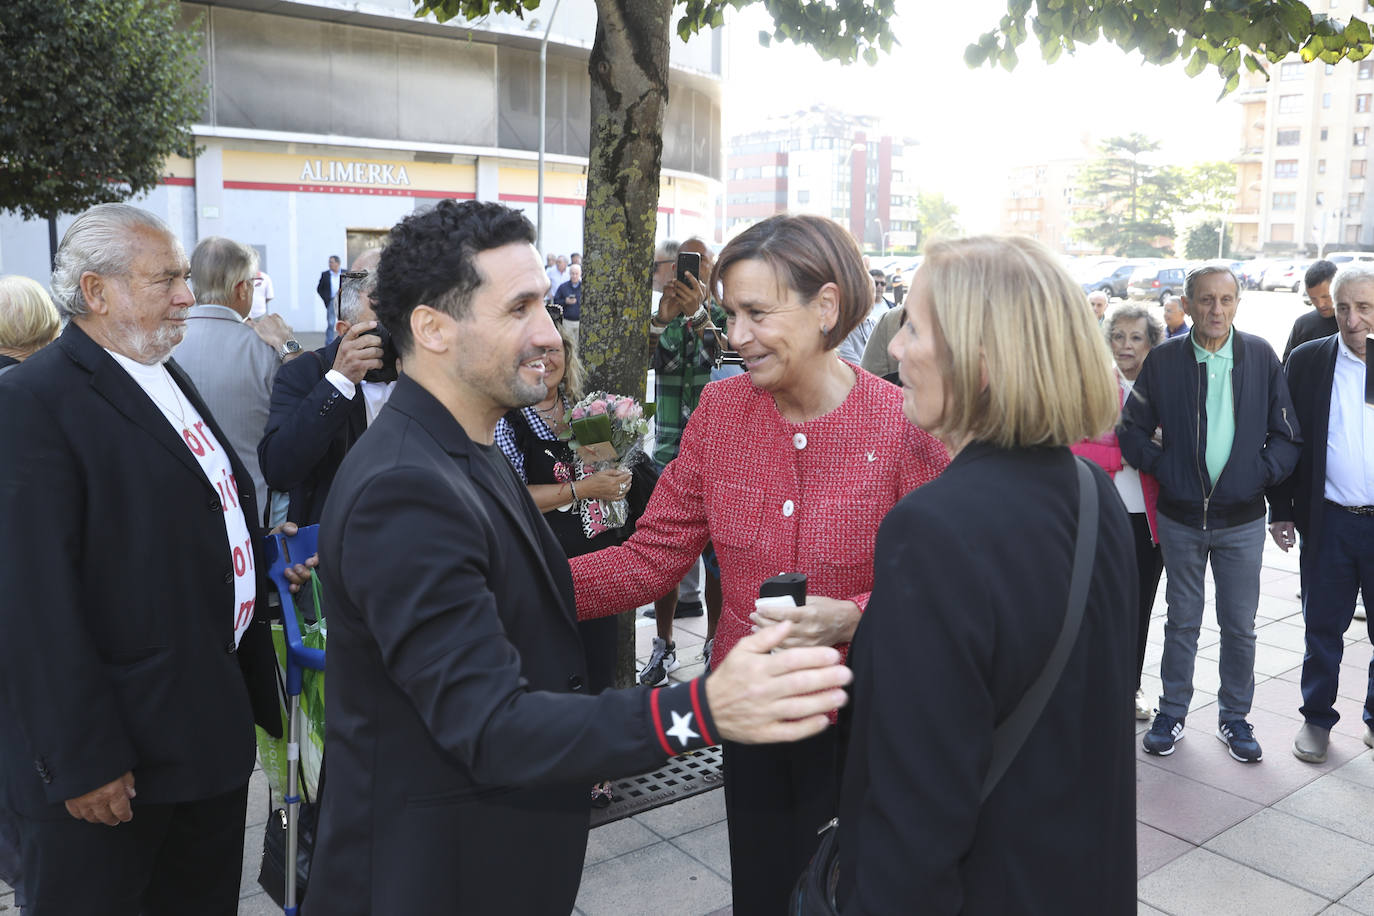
578	413
625	409
597	408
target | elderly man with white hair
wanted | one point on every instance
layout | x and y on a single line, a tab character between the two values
134	662
1329	500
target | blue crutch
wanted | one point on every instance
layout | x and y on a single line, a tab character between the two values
284	551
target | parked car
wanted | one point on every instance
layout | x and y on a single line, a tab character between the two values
1285	275
1112	279
1347	257
1158	280
1251	272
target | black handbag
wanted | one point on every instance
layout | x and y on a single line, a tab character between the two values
272	872
816	889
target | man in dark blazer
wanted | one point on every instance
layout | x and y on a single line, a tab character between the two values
320	405
328	290
461	736
1329	500
1321	321
133	661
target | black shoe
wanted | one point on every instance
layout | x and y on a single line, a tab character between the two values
684	609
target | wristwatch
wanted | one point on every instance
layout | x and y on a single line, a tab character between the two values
289	348
699	318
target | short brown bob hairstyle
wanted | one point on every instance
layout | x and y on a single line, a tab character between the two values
1004	306
806	252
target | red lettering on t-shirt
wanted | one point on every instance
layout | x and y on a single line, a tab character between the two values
209	440
240	562
244	615
192	442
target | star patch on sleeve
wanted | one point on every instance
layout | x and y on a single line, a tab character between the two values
680	713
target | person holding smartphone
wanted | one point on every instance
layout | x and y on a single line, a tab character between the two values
788	468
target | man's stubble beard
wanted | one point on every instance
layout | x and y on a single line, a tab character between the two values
149	348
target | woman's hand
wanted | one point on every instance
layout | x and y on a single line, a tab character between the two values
820	622
604	485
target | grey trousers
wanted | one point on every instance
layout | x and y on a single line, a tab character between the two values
1235	555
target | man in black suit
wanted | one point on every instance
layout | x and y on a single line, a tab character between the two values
1329	500
324	400
328	291
461	737
133	661
1321	321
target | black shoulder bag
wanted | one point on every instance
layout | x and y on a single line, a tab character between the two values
816	889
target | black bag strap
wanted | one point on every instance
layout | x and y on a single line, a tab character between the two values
1015	728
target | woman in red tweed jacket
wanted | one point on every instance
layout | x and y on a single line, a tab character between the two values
789	468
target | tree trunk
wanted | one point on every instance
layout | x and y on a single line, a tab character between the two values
629	79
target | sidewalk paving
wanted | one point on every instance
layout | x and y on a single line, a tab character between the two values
1214	836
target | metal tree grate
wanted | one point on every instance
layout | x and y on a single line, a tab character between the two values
681	777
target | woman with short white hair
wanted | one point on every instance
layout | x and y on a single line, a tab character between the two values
28	320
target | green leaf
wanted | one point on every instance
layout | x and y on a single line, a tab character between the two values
1197	64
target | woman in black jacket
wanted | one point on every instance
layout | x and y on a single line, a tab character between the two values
1001	359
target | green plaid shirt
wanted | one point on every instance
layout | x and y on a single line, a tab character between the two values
682	366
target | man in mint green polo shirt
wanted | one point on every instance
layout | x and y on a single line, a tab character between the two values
1226	431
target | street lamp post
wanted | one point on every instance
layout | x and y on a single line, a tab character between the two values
543	83
882	236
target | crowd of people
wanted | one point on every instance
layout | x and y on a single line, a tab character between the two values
982	480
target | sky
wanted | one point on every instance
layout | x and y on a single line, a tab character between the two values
973	126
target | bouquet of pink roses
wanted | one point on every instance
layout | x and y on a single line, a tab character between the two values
608	431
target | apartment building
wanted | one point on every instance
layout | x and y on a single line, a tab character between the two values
1302	172
1042	202
827	162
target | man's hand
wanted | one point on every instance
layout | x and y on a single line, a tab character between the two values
820	622
273	330
107	805
758	696
1285	534
359	352
680	298
300	573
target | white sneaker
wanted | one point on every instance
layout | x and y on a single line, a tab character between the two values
1144	712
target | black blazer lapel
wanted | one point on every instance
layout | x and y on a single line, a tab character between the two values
125	395
411	399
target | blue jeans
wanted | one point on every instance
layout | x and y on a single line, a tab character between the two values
1235	554
1331	578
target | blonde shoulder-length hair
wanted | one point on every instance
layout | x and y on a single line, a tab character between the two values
1025	362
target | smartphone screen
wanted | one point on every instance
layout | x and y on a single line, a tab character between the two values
688	262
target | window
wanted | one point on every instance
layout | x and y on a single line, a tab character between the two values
1291	71
1354	202
1285	168
1361	136
1352	233
1326	100
1357	167
1321	166
803	197
1288	137
1362	102
1285	200
1366	70
1323	135
1289	104
1281	232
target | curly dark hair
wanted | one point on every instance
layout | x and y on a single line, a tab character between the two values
429	260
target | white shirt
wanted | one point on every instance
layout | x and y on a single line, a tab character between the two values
1127	479
262	293
187	422
1349	434
375	394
